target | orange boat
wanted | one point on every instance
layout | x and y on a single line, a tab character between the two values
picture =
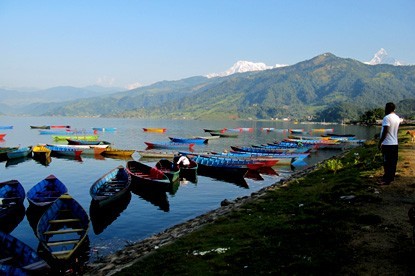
154	129
2	135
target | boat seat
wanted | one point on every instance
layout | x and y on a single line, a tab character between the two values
64	231
35	266
6	259
65	242
64	220
63	252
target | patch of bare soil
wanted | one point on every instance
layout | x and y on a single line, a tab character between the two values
387	247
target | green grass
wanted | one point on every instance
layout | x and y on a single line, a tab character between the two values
302	228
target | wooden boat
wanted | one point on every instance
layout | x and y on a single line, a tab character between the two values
187	172
12	194
59	126
335	135
155	129
75	137
6	127
189	140
322	130
222	130
64	151
72	132
41	152
143	173
156	154
207	137
105	129
111	186
87	149
87	142
63	227
17	258
2	135
46	191
20	152
263	150
4	151
40	127
110	151
169	168
224	162
168	145
224	134
296	130
240	129
56	132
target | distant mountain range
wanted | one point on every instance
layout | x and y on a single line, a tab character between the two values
325	87
382	57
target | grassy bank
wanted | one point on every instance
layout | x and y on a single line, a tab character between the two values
305	226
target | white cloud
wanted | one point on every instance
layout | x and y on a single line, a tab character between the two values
105	81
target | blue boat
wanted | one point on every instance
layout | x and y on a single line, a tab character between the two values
63	228
17	258
111	186
168	145
46	191
66	151
6	127
105	129
12	195
19	153
189	140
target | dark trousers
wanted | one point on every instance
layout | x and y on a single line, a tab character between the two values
390	160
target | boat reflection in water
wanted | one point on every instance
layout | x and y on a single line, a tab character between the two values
16	161
45	161
102	217
10	221
154	195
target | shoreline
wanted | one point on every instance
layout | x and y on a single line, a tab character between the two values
123	258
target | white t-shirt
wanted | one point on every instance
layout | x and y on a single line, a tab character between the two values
184	160
392	121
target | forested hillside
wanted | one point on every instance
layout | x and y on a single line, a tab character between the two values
323	88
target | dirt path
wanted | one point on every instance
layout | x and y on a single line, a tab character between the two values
387	248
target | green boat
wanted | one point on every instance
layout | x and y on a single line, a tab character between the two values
75	137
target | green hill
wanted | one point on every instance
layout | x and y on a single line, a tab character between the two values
324	87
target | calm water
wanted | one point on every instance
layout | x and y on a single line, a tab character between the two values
141	215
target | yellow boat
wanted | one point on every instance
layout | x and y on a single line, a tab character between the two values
154	129
109	151
41	152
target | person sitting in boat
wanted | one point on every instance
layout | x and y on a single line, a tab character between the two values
183	161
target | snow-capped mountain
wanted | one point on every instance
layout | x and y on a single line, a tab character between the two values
244	66
382	57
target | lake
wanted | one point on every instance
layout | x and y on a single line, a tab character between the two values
142	215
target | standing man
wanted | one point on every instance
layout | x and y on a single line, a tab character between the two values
388	143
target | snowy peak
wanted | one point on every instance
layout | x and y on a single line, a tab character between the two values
382	57
244	66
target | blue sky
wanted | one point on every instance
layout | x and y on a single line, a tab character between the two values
122	42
